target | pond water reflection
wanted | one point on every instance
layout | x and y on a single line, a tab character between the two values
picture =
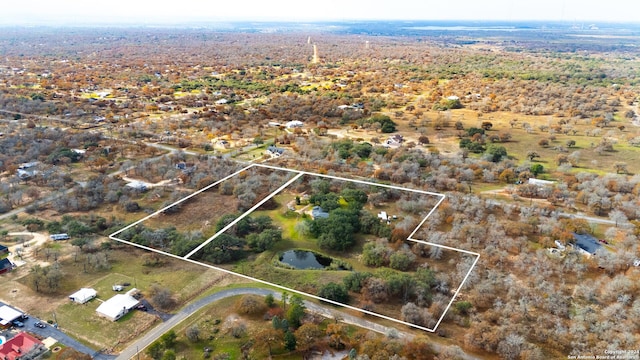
303	259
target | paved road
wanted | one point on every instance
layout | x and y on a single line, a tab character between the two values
61	337
326	311
42	201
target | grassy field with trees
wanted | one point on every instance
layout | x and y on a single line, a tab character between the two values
473	117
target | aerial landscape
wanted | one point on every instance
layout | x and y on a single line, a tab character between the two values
342	182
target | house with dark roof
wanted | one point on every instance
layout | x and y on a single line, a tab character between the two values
587	244
317	213
186	168
3	249
274	151
5	266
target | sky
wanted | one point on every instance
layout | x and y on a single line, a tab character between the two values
74	12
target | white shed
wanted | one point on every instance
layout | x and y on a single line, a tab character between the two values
83	295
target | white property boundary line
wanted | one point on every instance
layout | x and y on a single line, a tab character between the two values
285	185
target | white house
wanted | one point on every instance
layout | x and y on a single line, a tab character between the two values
394	141
294	124
118	306
383	216
7	315
538	182
274	151
137	185
83	295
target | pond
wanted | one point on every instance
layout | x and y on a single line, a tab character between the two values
303	259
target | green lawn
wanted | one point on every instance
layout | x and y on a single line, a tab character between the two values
82	321
186	281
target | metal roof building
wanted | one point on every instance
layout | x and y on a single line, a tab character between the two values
83	295
8	314
116	307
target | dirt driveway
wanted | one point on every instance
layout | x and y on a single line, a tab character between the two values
37	240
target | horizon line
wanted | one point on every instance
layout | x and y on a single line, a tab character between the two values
209	22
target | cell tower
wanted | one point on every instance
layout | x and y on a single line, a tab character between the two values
316	59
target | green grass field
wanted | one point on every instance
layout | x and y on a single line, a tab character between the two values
186	281
82	321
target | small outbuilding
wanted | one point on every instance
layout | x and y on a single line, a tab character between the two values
4	250
57	237
83	295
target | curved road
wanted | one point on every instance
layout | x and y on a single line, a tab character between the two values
187	311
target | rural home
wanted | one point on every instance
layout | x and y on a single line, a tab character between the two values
4	250
317	213
294	124
7	315
540	183
118	306
22	346
587	244
27	170
186	168
223	143
5	265
274	151
394	141
137	185
83	295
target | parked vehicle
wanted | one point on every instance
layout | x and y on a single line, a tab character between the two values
40	325
18	323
